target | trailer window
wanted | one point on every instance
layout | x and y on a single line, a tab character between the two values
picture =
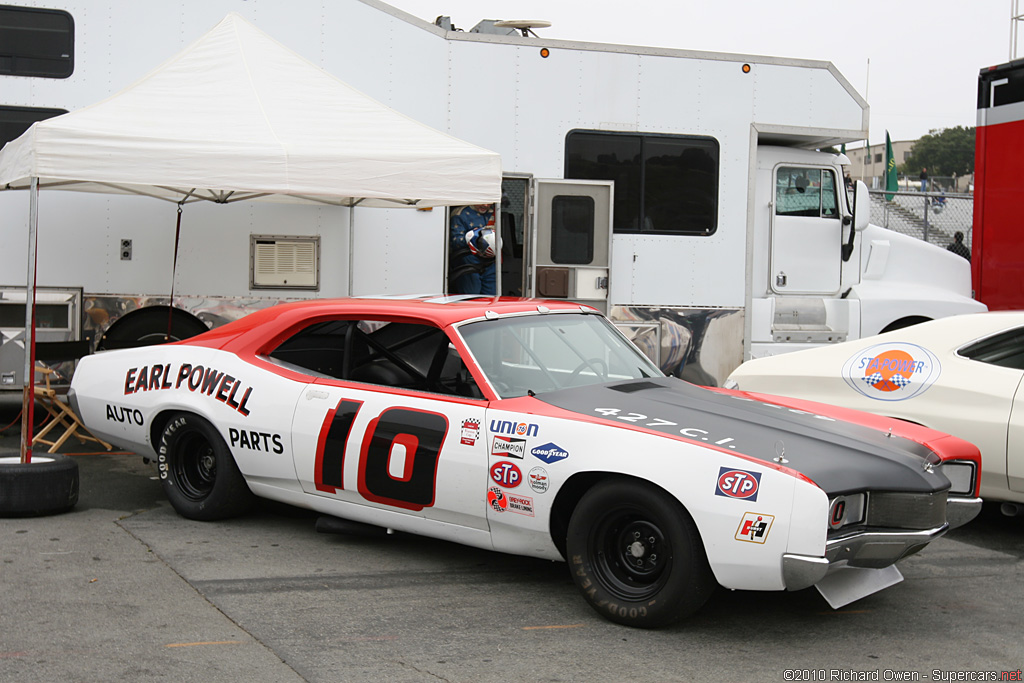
572	230
36	42
16	120
807	192
663	183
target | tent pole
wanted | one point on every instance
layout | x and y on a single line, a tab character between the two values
351	246
28	400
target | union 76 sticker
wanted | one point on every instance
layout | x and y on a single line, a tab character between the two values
892	372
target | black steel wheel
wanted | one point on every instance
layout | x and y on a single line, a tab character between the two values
198	472
636	554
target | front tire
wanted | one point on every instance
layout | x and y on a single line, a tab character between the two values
636	555
198	472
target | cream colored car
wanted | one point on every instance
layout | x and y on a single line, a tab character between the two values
960	375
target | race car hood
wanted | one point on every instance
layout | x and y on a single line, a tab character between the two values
840	457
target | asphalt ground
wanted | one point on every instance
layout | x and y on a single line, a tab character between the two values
123	589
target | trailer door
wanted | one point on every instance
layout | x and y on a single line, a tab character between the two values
806	233
571	245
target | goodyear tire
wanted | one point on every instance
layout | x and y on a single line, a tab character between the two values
198	472
636	555
46	486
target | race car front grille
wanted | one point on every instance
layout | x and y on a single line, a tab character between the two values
906	510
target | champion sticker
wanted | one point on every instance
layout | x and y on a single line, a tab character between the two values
508	446
892	372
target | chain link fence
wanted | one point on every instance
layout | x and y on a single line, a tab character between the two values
930	216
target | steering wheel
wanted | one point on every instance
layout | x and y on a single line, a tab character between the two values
590	363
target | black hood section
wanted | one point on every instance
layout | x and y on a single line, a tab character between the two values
840	457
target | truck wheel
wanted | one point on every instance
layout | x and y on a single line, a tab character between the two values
198	472
46	486
636	555
147	326
904	322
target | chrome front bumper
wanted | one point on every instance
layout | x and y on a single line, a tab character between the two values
868	548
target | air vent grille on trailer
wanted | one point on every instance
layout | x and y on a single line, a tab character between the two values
285	262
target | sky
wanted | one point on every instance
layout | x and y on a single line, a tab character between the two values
916	63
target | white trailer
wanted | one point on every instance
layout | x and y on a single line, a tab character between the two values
678	190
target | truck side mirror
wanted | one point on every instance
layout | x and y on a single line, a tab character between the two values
861	216
861	206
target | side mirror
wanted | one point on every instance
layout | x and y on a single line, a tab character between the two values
861	216
861	206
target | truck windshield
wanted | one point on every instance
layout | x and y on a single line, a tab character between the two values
540	353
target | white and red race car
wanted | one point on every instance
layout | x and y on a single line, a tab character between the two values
536	428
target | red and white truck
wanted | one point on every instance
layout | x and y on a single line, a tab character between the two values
997	261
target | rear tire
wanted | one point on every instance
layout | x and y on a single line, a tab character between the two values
46	486
198	472
636	555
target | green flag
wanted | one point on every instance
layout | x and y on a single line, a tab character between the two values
891	184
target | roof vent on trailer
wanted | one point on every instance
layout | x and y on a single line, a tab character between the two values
278	262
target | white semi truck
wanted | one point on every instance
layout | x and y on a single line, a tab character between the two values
680	191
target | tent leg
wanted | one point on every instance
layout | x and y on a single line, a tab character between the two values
28	398
351	248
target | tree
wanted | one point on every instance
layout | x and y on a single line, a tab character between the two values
943	152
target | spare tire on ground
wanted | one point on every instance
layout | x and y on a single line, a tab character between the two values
46	486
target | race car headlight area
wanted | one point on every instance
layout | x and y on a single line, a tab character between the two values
962	477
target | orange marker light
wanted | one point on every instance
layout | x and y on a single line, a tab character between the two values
545	53
746	68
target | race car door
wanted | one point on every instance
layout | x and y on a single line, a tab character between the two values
402	435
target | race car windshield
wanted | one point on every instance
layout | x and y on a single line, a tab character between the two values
539	353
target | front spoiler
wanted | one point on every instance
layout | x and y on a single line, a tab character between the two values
873	549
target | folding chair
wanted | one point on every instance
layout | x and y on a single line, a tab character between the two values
54	398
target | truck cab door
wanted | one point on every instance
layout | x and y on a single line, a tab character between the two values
570	250
806	232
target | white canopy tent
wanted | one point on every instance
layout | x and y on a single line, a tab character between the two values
238	116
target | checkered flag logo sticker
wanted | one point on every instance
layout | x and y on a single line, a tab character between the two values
895	371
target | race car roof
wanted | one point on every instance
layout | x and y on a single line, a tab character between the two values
441	311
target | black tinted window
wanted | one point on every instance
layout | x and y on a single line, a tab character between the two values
1005	349
16	120
663	183
36	42
572	230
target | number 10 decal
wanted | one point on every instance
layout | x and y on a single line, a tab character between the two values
413	435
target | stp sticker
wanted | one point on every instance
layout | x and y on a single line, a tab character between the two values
508	446
550	453
892	372
754	527
506	474
539	479
738	484
470	432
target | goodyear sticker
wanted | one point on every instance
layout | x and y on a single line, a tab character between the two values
892	372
